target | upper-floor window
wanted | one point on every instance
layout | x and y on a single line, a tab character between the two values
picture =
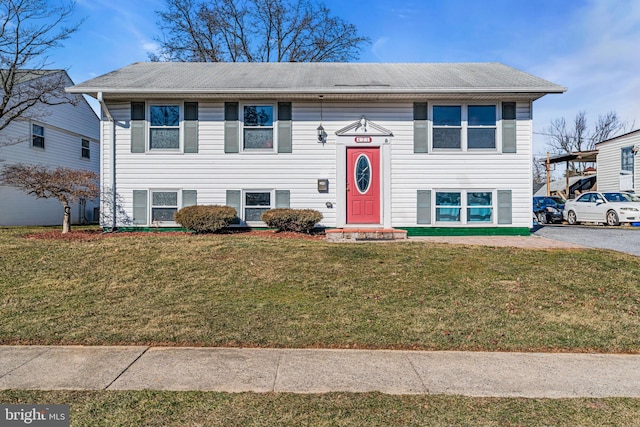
164	127
37	136
86	149
626	163
464	127
257	127
481	126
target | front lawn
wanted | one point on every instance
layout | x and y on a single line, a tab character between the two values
161	408
236	290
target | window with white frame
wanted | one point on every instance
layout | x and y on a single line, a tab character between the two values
37	136
626	161
164	205
255	203
481	127
447	127
86	149
464	127
479	206
258	130
464	207
448	206
164	127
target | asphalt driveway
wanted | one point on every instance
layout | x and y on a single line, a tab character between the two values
622	239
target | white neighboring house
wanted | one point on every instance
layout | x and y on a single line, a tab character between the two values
429	148
61	135
619	163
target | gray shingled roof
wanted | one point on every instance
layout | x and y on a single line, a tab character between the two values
316	78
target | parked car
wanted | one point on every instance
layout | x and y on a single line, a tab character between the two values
611	208
547	209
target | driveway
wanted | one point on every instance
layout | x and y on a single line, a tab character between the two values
621	239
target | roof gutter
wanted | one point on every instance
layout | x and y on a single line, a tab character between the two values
112	155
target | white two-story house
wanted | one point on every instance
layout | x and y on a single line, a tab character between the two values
63	135
429	148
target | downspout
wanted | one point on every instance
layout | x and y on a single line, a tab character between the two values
112	156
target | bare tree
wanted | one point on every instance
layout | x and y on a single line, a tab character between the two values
255	31
565	138
66	185
538	171
29	29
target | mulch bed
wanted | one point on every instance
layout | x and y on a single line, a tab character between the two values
85	235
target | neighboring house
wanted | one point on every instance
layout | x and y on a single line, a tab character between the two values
59	135
619	163
430	148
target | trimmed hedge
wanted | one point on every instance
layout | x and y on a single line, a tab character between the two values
298	220
205	218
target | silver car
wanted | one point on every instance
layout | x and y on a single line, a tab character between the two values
612	208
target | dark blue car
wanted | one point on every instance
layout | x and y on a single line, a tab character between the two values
548	209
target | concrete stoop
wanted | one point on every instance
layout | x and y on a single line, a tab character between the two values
365	234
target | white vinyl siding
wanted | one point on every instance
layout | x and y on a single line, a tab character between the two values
212	172
610	173
64	127
476	170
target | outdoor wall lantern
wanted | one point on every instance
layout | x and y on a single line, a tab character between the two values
321	134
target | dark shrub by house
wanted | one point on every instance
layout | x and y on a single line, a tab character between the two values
205	218
299	220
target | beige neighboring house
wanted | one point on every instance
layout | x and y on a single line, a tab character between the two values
619	163
64	135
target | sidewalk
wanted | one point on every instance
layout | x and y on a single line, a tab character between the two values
531	375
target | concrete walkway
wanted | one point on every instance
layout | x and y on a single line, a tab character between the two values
532	375
526	242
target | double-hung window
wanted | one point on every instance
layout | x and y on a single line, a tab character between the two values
37	136
626	162
255	204
464	127
164	127
479	206
464	207
447	127
448	206
86	149
481	127
164	205
258	131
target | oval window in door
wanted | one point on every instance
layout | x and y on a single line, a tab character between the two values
363	173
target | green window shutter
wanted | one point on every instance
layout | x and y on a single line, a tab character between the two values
189	198
505	211
282	198
284	127
140	207
420	128
231	128
137	127
508	127
233	200
190	127
424	207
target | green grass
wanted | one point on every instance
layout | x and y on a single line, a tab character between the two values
235	290
157	408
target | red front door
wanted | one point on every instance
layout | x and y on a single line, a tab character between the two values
363	185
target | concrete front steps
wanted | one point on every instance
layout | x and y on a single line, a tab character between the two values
365	234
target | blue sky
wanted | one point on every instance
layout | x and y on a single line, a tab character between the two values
588	46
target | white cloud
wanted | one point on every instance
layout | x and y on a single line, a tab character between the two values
601	72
